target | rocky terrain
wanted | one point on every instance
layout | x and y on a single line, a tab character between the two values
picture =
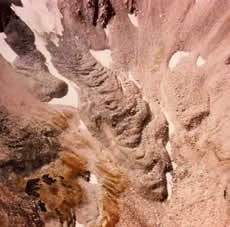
114	113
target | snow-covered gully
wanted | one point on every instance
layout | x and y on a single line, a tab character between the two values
29	13
169	150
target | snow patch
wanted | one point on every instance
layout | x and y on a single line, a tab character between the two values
104	57
82	126
93	179
107	32
133	19
70	99
169	174
6	50
145	99
169	150
176	58
169	177
78	224
132	79
200	61
169	184
171	124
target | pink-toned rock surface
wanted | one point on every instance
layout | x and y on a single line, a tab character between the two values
147	144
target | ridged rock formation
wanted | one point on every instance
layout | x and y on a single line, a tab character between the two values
145	143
